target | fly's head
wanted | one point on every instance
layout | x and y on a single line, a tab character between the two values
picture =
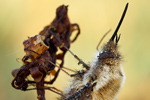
110	54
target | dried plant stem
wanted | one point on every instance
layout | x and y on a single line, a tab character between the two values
40	89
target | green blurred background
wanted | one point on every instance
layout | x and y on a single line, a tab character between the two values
22	18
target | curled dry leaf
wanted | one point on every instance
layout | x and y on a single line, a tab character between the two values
15	71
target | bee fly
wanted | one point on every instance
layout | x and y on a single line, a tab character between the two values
104	78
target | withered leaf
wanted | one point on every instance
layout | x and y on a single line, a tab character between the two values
36	74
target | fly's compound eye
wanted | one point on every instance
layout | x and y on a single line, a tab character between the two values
106	55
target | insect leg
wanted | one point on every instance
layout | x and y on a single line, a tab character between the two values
80	61
82	93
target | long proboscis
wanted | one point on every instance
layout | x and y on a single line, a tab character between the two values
120	22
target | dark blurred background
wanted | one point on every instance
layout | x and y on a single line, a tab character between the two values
22	18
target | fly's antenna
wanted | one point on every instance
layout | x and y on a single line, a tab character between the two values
120	22
102	39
